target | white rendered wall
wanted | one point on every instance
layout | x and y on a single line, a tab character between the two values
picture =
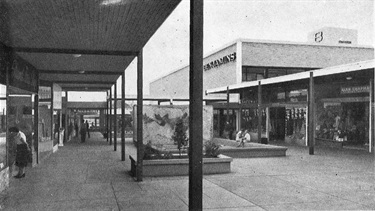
299	55
176	84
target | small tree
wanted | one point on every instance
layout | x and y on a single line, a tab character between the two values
179	136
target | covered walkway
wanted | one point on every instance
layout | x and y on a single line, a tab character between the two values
91	176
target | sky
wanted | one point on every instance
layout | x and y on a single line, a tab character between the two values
228	20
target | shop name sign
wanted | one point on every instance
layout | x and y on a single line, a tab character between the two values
218	62
87	111
355	89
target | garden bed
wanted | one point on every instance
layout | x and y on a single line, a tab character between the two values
250	150
180	167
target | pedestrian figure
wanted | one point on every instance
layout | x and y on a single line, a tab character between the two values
23	150
83	131
88	129
76	128
245	137
70	131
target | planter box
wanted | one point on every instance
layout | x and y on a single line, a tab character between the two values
180	167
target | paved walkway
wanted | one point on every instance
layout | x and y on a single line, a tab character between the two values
91	176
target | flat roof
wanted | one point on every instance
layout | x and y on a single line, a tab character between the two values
275	42
352	67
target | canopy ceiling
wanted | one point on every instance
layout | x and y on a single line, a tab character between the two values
82	45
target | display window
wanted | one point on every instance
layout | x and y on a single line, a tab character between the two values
345	122
3	127
249	120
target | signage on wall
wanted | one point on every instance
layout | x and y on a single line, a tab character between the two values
218	62
57	97
22	75
355	89
319	37
44	92
87	111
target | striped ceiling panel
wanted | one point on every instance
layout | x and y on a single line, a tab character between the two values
49	33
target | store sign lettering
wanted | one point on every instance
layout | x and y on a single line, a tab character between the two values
87	111
319	37
355	89
218	62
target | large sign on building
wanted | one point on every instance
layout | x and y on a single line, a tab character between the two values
218	62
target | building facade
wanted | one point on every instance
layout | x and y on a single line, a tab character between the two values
243	61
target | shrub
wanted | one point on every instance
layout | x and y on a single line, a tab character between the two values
150	152
212	149
179	136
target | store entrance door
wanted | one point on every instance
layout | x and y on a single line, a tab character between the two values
277	122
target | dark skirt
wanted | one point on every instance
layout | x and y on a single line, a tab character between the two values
22	155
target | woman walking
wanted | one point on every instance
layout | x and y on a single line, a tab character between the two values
22	152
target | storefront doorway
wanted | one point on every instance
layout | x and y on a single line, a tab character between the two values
277	123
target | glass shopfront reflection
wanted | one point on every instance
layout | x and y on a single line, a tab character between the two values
3	127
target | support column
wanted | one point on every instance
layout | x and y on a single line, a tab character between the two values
123	117
52	118
110	116
240	111
115	119
196	105
107	117
36	126
227	104
371	113
311	113
140	117
66	132
259	112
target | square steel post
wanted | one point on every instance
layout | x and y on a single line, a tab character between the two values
371	113
259	112
140	117
66	132
311	115
110	116
36	125
115	120
107	116
196	105
123	117
228	104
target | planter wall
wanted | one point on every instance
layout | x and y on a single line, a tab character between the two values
180	167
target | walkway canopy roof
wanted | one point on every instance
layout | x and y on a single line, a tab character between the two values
82	45
362	70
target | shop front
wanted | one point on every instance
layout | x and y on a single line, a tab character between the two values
343	114
18	86
337	103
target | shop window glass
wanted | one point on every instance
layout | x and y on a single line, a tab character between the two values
3	91
3	134
345	122
252	73
276	72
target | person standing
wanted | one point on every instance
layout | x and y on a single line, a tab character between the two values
22	152
87	129
76	128
83	131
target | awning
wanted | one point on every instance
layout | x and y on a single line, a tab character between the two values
330	71
82	45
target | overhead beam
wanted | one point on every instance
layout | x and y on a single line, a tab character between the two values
89	72
80	82
84	90
74	51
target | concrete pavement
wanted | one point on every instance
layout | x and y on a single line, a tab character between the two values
91	176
